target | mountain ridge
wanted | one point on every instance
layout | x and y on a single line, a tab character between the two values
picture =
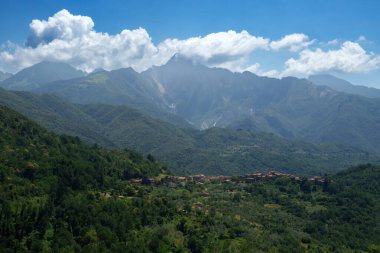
344	86
39	74
184	150
191	95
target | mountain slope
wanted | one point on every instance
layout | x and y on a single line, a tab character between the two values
59	195
214	151
4	76
39	74
55	114
29	151
118	87
183	91
289	107
319	114
344	86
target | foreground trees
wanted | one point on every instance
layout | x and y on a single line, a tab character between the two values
58	195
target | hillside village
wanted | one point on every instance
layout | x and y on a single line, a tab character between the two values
199	179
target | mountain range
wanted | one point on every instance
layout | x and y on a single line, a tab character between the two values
200	119
344	86
289	107
184	150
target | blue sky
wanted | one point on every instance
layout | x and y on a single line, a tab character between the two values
327	24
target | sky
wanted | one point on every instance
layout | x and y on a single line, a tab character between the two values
272	38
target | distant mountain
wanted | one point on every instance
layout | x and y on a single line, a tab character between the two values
118	87
55	114
214	151
40	74
344	86
289	107
188	94
4	75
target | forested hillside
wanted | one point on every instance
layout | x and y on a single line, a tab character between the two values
59	195
213	151
188	94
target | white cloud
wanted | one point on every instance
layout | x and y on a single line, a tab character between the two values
63	25
73	39
350	57
333	42
270	73
362	38
216	48
294	42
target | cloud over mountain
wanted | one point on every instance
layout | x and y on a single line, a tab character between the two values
294	42
350	57
62	25
73	39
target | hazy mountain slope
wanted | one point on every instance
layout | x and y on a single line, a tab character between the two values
319	114
289	107
118	87
131	128
218	151
215	151
4	75
55	114
344	86
182	90
44	72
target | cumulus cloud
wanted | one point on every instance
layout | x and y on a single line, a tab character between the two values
72	39
333	42
294	42
216	48
350	57
63	25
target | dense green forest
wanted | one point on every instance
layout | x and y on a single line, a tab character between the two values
59	195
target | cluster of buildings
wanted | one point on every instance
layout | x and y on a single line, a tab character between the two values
200	179
271	174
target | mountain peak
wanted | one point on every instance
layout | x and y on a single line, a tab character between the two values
41	73
180	59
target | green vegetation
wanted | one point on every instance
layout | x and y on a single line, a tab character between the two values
59	195
212	151
117	87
